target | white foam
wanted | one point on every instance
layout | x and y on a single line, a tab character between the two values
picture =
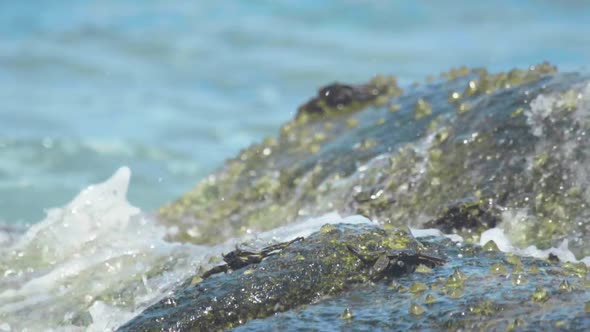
98	257
106	317
307	227
540	108
504	244
497	235
97	246
4	238
435	232
9	233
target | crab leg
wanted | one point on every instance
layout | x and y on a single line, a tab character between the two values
217	269
267	251
430	261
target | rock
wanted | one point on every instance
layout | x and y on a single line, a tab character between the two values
512	147
339	98
324	264
465	217
317	282
463	154
461	296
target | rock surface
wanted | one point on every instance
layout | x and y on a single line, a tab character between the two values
324	264
513	146
465	153
319	283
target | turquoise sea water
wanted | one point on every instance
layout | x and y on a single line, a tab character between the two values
171	89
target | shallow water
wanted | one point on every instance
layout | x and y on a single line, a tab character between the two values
173	88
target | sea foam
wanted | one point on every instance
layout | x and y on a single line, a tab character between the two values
96	262
97	251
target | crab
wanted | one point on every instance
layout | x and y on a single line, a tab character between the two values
239	258
395	262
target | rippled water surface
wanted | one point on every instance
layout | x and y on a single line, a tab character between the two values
171	89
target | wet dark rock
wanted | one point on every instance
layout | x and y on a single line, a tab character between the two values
460	296
342	98
515	141
301	273
466	217
471	151
311	283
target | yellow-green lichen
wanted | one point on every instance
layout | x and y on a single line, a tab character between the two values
517	322
485	308
430	299
394	108
455	293
518	269
352	123
347	314
498	269
366	144
579	270
463	108
418	287
455	281
487	83
540	295
423	269
565	286
456	73
422	109
416	309
519	111
518	279
513	260
490	246
327	229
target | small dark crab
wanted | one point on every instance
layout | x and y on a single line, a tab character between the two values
239	258
395	262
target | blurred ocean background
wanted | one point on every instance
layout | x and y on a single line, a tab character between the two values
172	88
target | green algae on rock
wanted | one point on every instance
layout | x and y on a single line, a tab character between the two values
280	282
472	151
516	159
347	314
472	301
332	282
